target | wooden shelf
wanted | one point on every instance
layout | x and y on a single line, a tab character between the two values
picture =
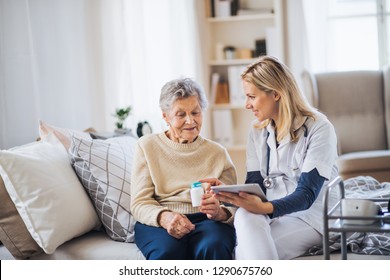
230	123
265	16
227	62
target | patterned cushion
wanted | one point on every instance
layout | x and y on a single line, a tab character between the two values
104	168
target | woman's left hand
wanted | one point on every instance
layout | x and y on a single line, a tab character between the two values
249	202
211	207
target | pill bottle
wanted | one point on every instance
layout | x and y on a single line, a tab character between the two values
196	194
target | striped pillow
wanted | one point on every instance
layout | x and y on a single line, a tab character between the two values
104	169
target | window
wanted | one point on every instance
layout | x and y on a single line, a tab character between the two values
353	34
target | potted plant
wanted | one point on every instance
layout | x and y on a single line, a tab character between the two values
121	115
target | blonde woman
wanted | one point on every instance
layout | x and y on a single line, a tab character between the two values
291	153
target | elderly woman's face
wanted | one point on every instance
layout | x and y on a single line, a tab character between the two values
184	120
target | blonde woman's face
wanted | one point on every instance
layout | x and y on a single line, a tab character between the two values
264	106
184	120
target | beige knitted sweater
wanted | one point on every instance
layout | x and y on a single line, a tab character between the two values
163	172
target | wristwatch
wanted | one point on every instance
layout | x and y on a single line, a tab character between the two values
143	128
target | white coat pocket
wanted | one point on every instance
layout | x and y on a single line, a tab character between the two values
296	162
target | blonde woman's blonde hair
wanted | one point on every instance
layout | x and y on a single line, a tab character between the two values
268	74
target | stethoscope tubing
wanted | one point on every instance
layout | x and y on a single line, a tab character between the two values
269	182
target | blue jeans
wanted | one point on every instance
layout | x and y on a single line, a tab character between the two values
210	240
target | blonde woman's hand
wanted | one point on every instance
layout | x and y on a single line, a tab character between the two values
176	224
249	202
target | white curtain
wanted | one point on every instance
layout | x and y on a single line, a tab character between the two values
161	49
315	15
43	72
306	36
72	62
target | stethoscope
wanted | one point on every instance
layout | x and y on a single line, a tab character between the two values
270	182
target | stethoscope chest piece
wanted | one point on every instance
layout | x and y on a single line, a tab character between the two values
268	183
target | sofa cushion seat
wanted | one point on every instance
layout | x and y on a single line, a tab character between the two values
95	245
373	163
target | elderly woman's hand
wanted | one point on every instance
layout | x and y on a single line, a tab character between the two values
177	225
211	181
212	208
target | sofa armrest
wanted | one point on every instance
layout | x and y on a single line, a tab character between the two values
368	163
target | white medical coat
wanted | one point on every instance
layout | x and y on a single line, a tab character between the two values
318	149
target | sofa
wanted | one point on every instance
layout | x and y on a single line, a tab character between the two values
66	197
358	105
64	191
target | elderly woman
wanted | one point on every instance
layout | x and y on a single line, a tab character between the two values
165	165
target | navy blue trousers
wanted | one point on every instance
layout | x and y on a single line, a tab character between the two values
210	240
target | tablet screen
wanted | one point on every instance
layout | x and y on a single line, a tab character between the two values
249	188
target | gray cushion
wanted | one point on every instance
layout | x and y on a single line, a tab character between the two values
104	168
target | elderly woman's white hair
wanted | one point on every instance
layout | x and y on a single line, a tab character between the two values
180	89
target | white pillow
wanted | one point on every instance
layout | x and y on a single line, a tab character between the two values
47	193
104	168
63	134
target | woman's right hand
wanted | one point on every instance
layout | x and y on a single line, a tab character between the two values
176	224
211	181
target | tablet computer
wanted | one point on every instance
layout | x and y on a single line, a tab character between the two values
249	188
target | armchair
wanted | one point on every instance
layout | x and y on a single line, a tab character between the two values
358	105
